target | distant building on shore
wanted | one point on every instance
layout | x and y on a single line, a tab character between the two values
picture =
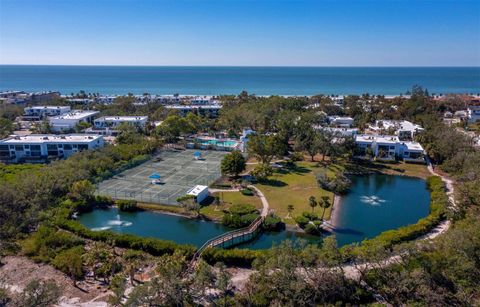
42	112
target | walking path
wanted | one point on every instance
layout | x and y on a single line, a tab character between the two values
243	233
354	271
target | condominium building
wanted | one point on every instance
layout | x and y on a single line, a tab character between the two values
387	148
404	129
39	147
107	125
340	121
41	112
473	114
68	121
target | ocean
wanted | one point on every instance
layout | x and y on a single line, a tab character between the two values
232	80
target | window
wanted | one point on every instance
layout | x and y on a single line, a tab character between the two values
51	147
392	147
35	147
67	146
82	146
19	147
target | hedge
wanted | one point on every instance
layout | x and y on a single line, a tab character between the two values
438	204
152	246
232	257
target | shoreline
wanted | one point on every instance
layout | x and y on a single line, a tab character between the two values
334	214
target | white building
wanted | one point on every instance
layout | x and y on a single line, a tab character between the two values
344	132
199	192
203	100
473	114
388	148
38	147
41	112
108	125
115	121
84	101
211	110
340	121
68	121
402	128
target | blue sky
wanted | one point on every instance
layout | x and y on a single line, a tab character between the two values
243	33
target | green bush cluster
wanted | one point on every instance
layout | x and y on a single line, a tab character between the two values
127	205
47	242
304	222
247	192
184	198
233	257
273	223
240	215
438	204
152	246
340	184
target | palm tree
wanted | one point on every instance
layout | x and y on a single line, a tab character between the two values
290	209
324	203
312	202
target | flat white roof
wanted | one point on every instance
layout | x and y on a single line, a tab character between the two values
122	118
413	146
51	138
76	114
47	107
340	118
397	124
384	139
186	107
196	190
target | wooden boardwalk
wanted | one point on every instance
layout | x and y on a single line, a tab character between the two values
237	236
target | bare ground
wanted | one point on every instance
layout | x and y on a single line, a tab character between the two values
18	271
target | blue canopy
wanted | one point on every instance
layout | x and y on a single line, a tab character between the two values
154	176
197	154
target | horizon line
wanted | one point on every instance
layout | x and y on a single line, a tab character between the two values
256	66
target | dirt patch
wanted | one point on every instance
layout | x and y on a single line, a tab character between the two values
18	271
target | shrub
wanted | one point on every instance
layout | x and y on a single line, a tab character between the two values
152	246
242	209
247	192
233	257
296	156
103	201
127	205
302	221
311	216
262	171
311	229
240	215
185	198
272	223
340	184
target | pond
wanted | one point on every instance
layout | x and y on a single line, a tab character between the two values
376	203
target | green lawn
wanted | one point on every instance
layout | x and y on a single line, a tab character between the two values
227	199
295	186
400	168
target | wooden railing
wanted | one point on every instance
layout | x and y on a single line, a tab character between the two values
230	236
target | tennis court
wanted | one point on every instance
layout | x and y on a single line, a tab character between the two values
177	170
